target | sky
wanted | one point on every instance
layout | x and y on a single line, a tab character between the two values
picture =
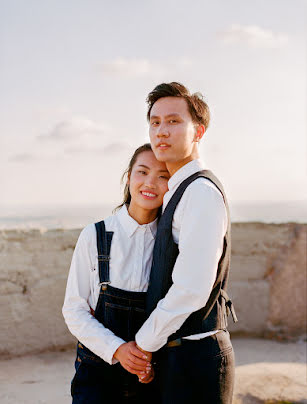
74	76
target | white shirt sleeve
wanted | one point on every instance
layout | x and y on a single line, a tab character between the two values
76	310
203	220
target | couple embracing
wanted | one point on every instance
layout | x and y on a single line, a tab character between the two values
146	292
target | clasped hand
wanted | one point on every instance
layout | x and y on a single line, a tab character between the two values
135	360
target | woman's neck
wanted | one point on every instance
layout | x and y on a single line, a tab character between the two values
142	216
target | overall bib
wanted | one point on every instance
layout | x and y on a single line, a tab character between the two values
123	312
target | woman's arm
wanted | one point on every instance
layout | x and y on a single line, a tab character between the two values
77	312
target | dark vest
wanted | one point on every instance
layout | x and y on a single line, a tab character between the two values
214	315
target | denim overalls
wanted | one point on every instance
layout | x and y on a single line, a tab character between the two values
123	312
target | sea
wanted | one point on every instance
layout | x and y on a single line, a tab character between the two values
75	216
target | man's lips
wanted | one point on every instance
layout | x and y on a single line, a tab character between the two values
148	195
163	146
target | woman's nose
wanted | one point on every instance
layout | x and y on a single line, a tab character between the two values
150	182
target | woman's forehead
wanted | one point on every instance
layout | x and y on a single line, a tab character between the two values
148	160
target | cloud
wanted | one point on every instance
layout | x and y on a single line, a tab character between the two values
110	149
253	36
73	129
81	137
127	67
22	158
140	67
118	147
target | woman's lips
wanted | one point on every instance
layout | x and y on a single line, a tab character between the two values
148	195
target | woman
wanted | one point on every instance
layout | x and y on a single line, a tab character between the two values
106	289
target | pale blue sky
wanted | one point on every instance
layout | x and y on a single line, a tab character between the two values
74	76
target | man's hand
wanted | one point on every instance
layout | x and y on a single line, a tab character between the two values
133	359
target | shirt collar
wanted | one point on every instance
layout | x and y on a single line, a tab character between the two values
130	225
184	172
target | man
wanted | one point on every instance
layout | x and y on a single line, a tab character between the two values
187	302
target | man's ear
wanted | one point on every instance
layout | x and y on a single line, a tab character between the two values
200	131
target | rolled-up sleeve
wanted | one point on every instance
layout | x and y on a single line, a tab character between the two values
76	310
203	224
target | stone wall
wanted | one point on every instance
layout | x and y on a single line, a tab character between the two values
267	284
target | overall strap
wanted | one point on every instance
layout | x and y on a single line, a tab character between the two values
172	204
104	240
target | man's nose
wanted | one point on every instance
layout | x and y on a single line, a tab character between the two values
163	131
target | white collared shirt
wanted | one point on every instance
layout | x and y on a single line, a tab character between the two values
199	225
130	264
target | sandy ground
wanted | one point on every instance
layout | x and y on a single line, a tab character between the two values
266	372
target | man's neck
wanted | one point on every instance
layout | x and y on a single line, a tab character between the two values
173	167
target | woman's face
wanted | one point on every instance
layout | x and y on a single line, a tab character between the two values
147	182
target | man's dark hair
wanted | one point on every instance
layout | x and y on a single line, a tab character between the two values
198	109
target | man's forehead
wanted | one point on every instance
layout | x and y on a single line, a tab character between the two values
169	106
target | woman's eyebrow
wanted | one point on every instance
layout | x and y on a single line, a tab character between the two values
148	168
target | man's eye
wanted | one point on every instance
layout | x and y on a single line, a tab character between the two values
164	176
173	121
154	123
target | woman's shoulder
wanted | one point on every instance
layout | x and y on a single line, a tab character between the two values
88	233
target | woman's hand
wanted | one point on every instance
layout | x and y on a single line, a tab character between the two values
133	359
148	377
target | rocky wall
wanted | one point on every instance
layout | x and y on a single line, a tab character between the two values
267	284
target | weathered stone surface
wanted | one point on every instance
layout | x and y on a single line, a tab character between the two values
267	284
33	272
288	286
251	299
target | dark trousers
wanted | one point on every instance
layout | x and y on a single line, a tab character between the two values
198	371
106	383
98	382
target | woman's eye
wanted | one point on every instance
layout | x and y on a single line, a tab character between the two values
164	176
142	172
173	121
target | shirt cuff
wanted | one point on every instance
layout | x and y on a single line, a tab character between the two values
112	349
140	339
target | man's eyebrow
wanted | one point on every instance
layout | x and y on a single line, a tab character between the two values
166	116
172	114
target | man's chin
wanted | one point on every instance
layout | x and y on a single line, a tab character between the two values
162	156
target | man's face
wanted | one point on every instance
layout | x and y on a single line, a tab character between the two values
172	131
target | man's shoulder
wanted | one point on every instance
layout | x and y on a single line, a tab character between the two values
202	187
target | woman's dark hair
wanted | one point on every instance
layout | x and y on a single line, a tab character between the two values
127	172
198	109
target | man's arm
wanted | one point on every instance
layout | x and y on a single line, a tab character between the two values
203	219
